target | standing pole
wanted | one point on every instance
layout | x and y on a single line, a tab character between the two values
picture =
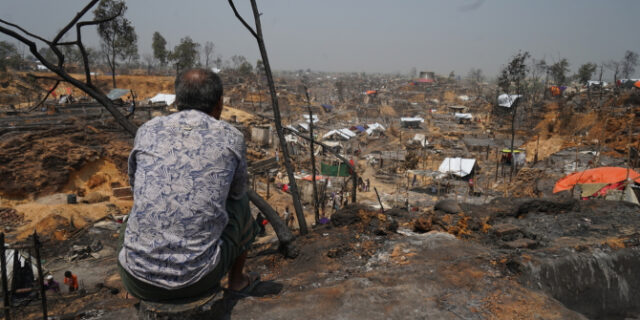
313	158
257	34
5	283
37	245
380	202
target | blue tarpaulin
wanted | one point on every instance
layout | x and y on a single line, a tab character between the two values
117	93
327	107
361	128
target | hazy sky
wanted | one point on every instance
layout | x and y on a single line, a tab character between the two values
373	35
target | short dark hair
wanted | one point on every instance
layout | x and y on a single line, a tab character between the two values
198	89
67	274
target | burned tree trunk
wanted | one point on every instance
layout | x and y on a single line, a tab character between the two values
257	34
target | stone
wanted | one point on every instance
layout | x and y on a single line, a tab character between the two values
448	206
504	229
521	243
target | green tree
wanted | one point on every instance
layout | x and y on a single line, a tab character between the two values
559	71
48	54
629	63
159	46
9	56
245	68
586	72
119	39
514	73
208	53
185	55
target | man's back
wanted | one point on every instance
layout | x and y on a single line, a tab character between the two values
182	169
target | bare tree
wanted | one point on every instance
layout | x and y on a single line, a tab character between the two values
58	66
208	53
629	63
257	34
148	61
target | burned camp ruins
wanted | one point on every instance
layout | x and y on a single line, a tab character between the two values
509	191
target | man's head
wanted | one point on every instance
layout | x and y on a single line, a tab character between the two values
67	274
199	89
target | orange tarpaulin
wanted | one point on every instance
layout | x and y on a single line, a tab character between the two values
596	175
637	84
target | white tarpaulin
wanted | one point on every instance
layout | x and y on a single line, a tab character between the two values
23	258
315	118
345	134
373	127
505	100
458	166
463	116
169	99
412	119
463	98
422	139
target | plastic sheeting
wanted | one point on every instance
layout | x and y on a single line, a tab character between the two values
463	116
608	175
457	166
117	93
169	99
373	127
506	100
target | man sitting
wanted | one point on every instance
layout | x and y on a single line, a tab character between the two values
190	223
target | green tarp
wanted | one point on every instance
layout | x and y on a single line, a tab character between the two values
329	170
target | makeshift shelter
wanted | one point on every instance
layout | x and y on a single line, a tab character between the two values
458	109
421	139
605	176
374	128
167	98
315	118
334	170
463	117
517	156
20	264
460	167
339	134
506	100
411	122
261	135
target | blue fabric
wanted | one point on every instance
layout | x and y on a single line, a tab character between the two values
182	169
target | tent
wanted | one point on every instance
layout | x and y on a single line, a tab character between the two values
463	116
506	100
458	166
637	84
374	127
602	175
169	99
344	134
25	260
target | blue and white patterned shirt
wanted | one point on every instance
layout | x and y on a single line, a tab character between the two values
182	169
